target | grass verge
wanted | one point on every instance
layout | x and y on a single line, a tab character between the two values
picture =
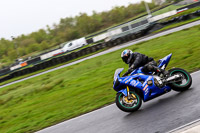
49	68
177	24
66	93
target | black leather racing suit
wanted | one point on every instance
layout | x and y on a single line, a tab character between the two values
137	60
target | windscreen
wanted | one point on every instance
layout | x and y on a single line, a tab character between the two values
119	70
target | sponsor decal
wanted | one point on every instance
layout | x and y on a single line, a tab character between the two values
145	87
146	91
134	83
149	78
125	79
128	80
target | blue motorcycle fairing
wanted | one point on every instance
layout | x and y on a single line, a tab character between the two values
124	91
165	60
131	81
139	71
149	92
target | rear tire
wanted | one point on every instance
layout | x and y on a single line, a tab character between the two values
186	77
128	105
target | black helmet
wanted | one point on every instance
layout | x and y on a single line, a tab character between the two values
126	55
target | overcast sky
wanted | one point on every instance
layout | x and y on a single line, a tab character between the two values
25	16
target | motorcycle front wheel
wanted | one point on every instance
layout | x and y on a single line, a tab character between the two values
128	105
180	84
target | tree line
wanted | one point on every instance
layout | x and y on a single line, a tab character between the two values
67	29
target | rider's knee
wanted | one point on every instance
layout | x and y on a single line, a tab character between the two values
149	67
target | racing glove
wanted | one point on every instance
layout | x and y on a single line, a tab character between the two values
125	74
129	71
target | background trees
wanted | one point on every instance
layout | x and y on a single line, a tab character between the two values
67	29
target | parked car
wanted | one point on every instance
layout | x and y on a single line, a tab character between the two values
69	46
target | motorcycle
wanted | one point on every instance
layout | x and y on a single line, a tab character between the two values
139	86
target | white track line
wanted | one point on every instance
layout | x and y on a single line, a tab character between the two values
183	126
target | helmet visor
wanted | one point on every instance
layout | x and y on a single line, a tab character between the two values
125	59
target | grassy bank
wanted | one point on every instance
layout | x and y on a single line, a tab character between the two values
65	93
178	24
48	68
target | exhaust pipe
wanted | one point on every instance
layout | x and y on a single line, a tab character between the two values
173	78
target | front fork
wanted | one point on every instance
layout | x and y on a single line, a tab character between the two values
126	93
129	95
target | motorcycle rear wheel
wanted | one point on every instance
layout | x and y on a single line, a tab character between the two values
185	82
126	105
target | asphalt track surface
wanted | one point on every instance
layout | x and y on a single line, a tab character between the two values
159	115
145	38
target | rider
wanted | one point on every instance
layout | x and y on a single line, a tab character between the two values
135	60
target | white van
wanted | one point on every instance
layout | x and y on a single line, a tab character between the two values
69	46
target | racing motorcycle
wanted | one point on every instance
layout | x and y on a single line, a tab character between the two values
140	86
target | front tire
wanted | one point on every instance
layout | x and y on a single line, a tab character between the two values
186	80
126	105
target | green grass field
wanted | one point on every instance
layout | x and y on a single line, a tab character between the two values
167	9
177	24
66	93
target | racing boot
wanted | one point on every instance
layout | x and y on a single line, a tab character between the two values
162	73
